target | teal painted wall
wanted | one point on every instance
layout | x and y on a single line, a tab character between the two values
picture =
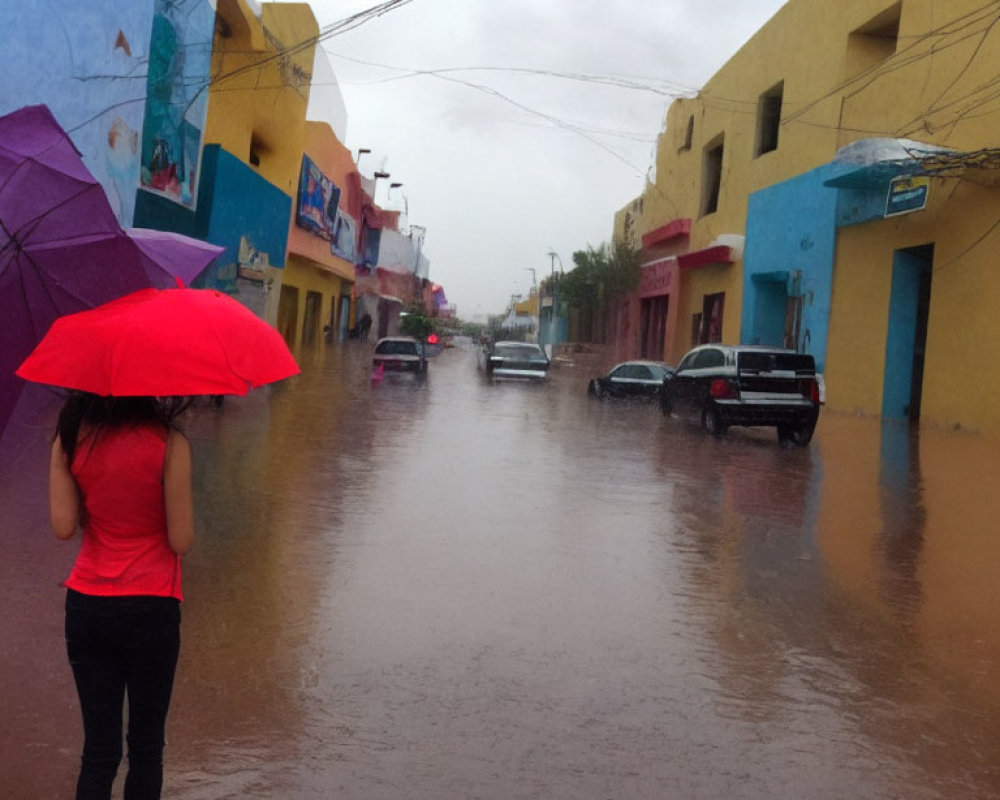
233	202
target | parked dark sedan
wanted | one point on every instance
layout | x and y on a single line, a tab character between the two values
399	354
515	360
631	379
723	385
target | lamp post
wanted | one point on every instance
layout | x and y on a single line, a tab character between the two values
378	174
538	302
403	228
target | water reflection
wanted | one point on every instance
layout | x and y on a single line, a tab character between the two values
474	589
903	517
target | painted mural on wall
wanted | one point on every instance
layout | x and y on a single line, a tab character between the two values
87	63
318	200
176	98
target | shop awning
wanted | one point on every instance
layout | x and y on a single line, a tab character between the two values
717	254
673	229
870	164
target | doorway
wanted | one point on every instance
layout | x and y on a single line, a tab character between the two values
709	321
345	316
906	341
288	313
310	322
653	327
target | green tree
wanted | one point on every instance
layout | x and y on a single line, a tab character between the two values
601	276
416	323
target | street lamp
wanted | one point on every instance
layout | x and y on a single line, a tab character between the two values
376	176
361	152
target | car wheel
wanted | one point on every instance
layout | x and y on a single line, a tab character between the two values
596	390
711	422
799	435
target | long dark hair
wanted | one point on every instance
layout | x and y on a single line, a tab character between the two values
96	412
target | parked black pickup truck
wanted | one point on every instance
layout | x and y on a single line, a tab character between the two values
724	385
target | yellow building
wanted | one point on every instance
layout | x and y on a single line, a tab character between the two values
319	273
529	306
261	74
756	200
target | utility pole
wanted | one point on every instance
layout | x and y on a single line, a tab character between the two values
553	320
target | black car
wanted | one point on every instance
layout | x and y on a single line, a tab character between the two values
631	379
723	385
399	354
515	360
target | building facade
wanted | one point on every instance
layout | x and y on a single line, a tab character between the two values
255	130
832	188
319	280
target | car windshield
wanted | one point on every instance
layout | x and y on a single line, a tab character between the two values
395	347
519	351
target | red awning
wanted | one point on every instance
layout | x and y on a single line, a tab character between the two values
673	229
720	254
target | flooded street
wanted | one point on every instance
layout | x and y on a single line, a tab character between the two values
460	590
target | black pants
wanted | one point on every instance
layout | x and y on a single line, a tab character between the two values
119	644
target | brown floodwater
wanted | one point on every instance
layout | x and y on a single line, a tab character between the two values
459	589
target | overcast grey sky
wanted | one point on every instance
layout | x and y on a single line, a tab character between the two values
499	182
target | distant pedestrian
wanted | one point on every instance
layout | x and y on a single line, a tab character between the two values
366	326
121	471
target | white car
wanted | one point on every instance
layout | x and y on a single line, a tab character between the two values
515	360
399	354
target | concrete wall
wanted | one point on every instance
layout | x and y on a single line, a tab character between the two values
235	205
86	62
791	237
963	325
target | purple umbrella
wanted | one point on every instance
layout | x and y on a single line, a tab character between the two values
61	248
180	256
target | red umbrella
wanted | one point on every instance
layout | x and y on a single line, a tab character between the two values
61	248
161	343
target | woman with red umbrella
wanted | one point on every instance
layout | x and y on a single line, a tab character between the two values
121	471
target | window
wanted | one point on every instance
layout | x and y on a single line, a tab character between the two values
711	316
258	149
709	359
769	119
696	330
711	181
688	134
398	347
873	42
633	372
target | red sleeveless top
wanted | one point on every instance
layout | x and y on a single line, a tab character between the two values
125	549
